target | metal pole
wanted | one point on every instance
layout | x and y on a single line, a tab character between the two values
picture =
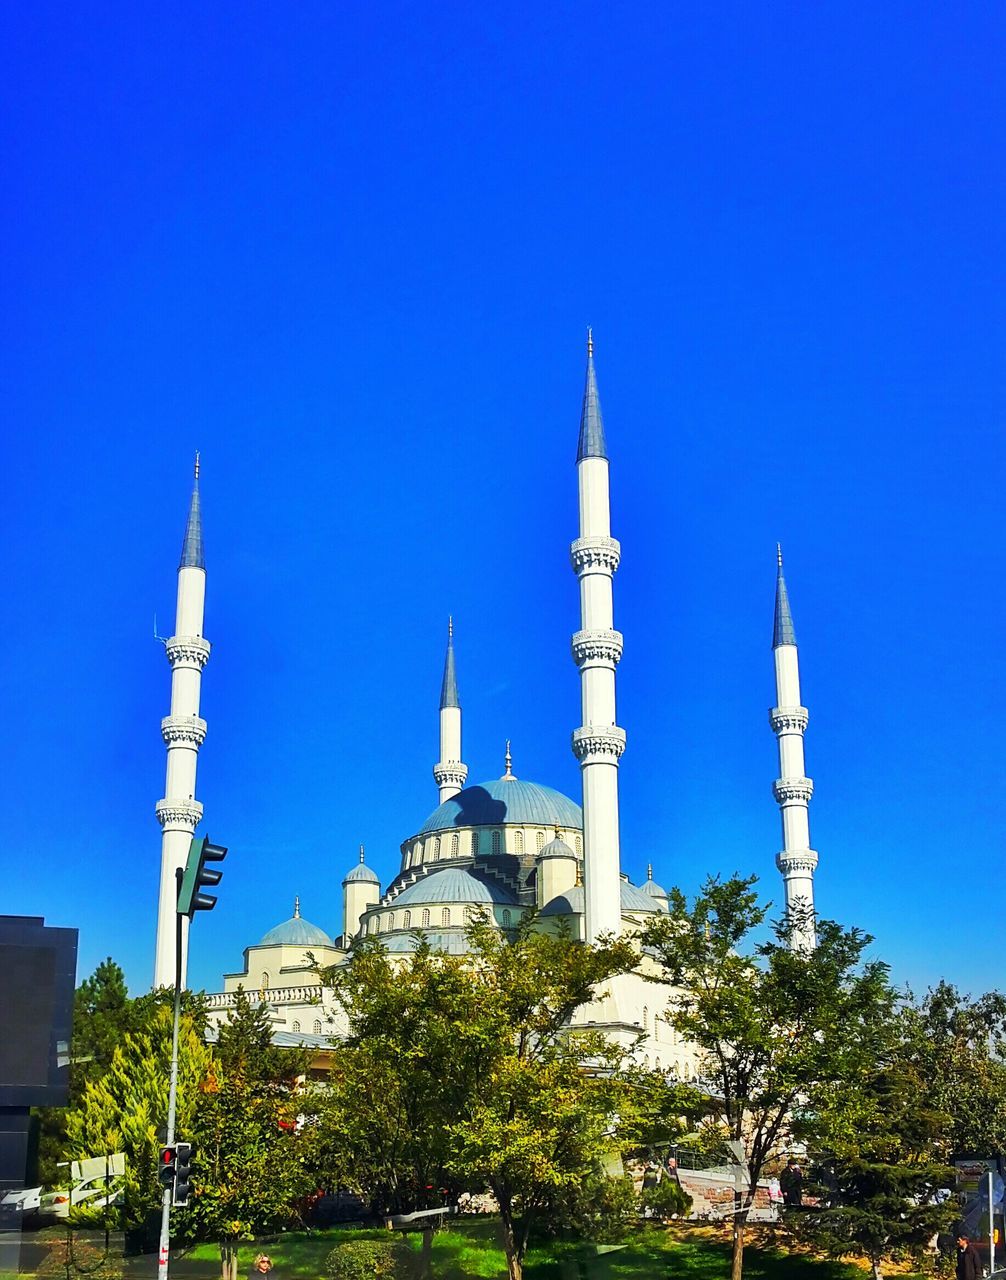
162	1255
992	1230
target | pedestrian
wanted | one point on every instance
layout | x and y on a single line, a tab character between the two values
969	1260
791	1184
262	1266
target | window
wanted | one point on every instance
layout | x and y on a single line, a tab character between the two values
389	924
317	1027
426	918
579	846
658	1064
445	916
496	842
518	841
506	919
296	1028
436	847
539	840
265	981
407	920
475	842
646	1018
455	844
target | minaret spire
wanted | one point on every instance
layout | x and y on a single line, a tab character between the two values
183	731
792	789
597	648
449	773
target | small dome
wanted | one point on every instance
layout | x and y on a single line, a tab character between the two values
557	848
361	872
505	800
296	932
453	884
571	903
654	890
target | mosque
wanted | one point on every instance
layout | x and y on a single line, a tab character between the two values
500	848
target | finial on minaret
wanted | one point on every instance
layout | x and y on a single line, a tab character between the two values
361	853
778	553
591	443
296	907
195	469
649	871
449	684
450	626
783	631
192	546
590	343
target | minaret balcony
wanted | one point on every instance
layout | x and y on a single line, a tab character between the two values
595	555
598	744
450	774
592	647
788	719
792	790
179	815
187	651
801	862
183	731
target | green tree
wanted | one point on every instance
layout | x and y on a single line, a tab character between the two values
125	1108
249	1161
774	1026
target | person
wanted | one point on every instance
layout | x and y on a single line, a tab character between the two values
791	1184
262	1266
969	1260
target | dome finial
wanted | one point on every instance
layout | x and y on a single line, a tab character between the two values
558	831
361	853
579	874
296	907
508	761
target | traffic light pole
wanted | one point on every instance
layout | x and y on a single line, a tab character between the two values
162	1255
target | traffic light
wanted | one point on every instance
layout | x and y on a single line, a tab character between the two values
166	1172
197	874
183	1173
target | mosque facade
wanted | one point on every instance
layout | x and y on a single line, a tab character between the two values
496	850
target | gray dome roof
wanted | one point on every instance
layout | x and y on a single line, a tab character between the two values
361	872
654	890
557	848
503	800
453	884
296	932
571	902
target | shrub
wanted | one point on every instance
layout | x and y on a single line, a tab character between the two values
666	1199
365	1259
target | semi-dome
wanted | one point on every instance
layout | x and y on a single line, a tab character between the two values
571	903
505	800
453	884
296	932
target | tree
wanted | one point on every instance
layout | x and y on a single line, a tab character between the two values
775	1026
477	1078
879	1185
125	1107
249	1168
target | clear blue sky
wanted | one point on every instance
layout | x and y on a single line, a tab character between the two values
349	252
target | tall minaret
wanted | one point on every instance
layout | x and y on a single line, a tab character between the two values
449	773
179	812
793	789
597	647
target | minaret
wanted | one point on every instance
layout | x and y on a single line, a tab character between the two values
449	773
183	731
793	789
597	647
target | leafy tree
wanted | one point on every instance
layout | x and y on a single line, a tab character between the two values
477	1079
249	1169
124	1108
775	1026
877	1189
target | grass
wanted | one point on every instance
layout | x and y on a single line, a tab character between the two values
472	1250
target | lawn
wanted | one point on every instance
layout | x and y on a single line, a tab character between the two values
472	1251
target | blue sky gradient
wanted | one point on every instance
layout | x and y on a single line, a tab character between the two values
349	252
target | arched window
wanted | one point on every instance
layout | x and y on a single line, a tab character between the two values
455	844
539	840
407	920
389	924
373	924
518	842
579	845
426	918
296	1028
445	916
317	1027
496	842
658	1064
436	847
475	842
646	1018
264	984
506	919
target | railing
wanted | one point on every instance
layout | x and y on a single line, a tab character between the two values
273	995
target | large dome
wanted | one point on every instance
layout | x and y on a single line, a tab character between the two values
491	804
296	932
453	884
